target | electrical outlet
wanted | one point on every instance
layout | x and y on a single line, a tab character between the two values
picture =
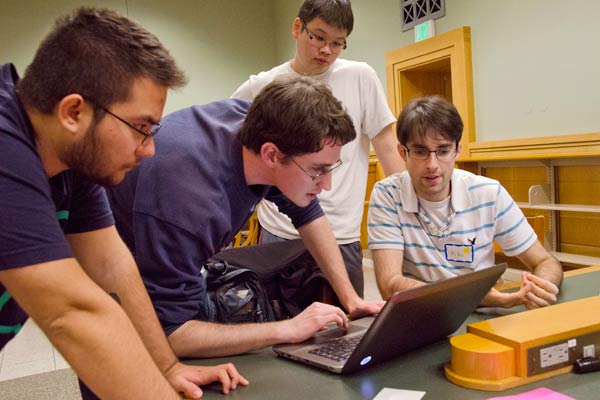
554	355
589	350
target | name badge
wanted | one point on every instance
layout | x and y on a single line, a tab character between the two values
460	252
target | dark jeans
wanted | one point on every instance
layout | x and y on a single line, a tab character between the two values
351	253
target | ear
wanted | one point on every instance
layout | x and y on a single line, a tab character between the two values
296	28
269	154
459	149
74	114
402	152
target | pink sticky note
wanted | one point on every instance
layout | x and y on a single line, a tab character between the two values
537	394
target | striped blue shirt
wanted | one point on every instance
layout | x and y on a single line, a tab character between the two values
484	212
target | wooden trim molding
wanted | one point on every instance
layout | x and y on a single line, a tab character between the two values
563	146
444	55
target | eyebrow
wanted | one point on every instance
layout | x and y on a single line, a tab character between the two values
441	146
147	119
321	32
322	165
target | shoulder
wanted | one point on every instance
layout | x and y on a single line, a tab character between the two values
258	81
398	179
203	132
478	188
12	115
357	69
272	73
356	66
17	141
8	78
199	115
474	181
392	184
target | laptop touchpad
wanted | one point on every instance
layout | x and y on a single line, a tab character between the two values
335	333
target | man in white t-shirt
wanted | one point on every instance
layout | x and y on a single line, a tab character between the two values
434	222
321	30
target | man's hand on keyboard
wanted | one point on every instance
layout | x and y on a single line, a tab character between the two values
311	321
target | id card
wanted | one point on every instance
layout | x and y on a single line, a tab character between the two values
460	252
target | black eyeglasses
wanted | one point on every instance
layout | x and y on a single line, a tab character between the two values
323	171
154	128
319	41
443	154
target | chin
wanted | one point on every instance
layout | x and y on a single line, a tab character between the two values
114	181
109	180
302	203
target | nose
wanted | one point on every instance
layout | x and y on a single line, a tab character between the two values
325	182
432	160
326	46
146	149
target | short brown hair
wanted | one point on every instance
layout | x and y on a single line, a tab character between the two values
425	113
96	53
337	13
298	115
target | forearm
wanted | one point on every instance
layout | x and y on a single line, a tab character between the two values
89	329
495	298
550	269
112	267
126	283
388	272
541	263
385	145
208	339
397	283
320	242
112	361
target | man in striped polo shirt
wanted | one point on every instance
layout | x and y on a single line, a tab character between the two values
433	221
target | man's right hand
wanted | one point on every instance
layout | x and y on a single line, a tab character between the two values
312	320
496	298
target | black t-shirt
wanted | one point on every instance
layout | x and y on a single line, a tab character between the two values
36	212
186	203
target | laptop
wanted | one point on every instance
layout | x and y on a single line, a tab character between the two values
409	320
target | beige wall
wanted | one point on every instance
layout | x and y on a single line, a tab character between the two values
216	42
535	71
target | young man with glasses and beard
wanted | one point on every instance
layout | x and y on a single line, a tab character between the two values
216	163
61	259
433	221
321	32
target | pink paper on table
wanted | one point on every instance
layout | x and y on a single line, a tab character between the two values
537	394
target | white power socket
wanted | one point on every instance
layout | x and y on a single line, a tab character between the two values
589	350
554	355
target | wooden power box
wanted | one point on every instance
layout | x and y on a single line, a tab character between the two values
516	349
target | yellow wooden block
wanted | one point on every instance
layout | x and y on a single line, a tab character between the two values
481	358
516	349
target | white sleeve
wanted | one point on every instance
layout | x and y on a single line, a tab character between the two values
383	221
243	92
376	112
513	232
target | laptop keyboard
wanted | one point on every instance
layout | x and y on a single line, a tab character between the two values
337	349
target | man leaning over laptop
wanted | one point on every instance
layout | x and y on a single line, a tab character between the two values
434	222
216	162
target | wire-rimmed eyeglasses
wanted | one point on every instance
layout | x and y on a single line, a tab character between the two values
319	174
319	41
154	128
443	154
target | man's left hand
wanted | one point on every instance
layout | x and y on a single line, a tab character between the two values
361	308
186	379
542	294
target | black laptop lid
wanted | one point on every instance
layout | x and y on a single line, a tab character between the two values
422	315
